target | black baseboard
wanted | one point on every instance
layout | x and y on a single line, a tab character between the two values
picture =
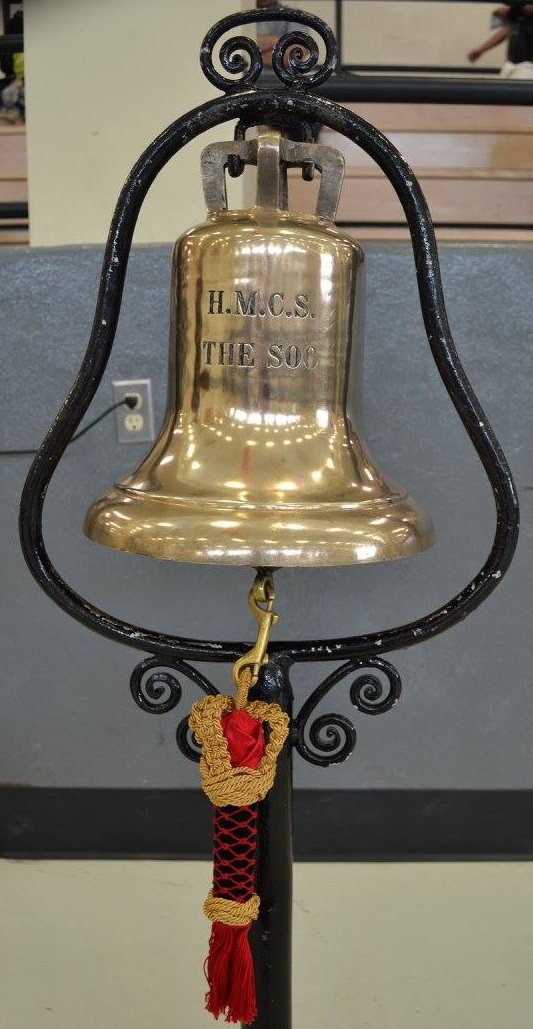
329	825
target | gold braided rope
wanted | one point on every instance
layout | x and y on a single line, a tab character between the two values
223	784
245	683
231	912
241	786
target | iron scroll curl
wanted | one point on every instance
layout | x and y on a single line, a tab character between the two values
156	688
330	738
254	107
294	59
324	739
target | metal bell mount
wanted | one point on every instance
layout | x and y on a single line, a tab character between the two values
288	486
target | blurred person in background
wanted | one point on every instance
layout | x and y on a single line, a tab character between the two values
12	107
514	23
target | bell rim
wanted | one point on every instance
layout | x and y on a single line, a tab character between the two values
194	535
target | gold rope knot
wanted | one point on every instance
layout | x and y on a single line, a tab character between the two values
231	912
223	784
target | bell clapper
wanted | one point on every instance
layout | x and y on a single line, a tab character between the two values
245	671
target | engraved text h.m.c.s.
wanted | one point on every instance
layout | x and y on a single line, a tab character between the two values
255	305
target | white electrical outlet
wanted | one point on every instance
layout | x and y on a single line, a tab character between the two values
134	424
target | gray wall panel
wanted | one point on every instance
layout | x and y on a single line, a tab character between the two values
465	718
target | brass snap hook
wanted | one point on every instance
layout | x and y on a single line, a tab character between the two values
261	600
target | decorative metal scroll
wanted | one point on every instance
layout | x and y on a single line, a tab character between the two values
294	58
250	105
156	688
324	739
329	739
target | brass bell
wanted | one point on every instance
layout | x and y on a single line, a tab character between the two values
261	459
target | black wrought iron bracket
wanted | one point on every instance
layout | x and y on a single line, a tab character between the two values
322	740
300	66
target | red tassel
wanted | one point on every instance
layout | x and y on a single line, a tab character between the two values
230	973
229	966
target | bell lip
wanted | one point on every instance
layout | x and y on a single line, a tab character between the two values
121	490
195	538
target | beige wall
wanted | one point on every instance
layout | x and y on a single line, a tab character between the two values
98	91
93	945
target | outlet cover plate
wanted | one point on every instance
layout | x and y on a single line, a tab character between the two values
134	425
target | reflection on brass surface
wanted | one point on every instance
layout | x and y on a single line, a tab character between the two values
261	459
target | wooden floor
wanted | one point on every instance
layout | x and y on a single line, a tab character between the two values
474	163
443	235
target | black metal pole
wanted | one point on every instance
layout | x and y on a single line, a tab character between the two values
271	937
338	32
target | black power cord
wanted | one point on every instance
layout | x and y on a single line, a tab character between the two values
130	402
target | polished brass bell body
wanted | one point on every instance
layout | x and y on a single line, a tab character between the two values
261	459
